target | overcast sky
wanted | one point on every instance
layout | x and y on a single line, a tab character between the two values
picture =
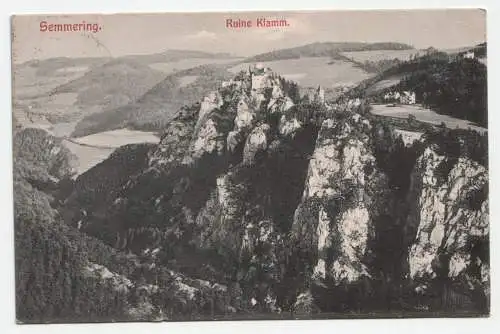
150	33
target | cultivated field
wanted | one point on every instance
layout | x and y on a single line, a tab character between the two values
424	115
93	149
377	55
87	157
30	81
117	138
33	107
314	71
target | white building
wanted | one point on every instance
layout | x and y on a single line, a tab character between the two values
469	55
407	98
392	96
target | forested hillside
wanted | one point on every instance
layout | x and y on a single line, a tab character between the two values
451	85
50	256
63	275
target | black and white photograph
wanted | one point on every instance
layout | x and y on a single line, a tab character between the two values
250	166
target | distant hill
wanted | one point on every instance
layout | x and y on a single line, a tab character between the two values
167	55
115	83
479	50
155	108
63	90
325	49
175	55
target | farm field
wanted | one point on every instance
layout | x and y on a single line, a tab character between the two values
93	149
31	82
423	115
87	157
377	55
314	71
117	138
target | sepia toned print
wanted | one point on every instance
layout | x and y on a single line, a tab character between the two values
250	165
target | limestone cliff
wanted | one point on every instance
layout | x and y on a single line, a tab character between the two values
450	214
344	194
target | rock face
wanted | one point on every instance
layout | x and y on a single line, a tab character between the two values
209	103
173	145
256	142
288	127
343	196
450	214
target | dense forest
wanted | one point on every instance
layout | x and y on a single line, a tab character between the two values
456	88
63	275
50	256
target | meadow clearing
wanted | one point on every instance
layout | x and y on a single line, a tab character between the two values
424	115
378	55
93	149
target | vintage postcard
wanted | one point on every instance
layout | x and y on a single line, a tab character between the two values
250	165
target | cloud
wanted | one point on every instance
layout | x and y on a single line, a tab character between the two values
203	34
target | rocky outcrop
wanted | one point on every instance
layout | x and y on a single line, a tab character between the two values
227	117
209	103
450	215
173	145
344	194
256	142
208	140
288	126
245	118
